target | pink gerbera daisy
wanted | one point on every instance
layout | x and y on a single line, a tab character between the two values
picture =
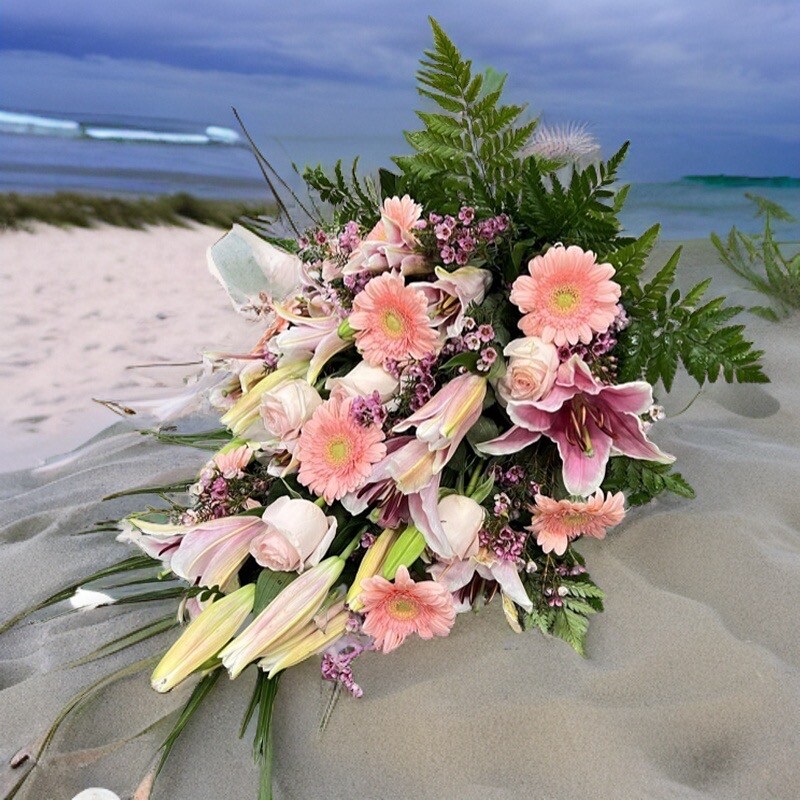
395	610
336	451
567	297
558	522
391	321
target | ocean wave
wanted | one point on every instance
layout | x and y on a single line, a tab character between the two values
735	181
36	125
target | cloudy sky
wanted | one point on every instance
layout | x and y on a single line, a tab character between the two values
700	86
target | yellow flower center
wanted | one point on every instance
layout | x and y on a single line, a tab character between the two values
577	519
338	450
402	608
393	324
564	299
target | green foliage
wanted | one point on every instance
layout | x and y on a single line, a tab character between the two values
266	689
470	147
583	213
70	209
268	586
198	695
350	196
570	621
759	259
643	480
667	329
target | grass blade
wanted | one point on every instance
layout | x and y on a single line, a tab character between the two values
129	639
199	693
134	562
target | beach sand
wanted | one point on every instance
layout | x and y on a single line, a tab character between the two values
80	307
691	688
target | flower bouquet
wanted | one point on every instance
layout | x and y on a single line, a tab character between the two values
452	384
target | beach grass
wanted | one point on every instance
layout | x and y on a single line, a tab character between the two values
71	209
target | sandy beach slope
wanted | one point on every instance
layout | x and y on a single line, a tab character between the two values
79	308
691	690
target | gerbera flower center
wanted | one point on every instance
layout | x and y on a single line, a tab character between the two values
565	299
338	450
402	608
577	519
393	323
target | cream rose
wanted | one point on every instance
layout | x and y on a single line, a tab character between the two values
285	409
297	537
363	380
462	519
531	372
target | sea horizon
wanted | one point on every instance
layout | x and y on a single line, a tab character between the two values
125	155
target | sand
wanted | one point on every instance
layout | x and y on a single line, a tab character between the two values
80	308
691	688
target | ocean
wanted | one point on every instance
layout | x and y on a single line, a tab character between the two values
123	155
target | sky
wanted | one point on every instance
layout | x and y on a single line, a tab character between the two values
699	86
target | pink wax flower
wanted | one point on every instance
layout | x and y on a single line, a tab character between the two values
336	452
567	297
391	321
557	522
392	243
393	611
586	419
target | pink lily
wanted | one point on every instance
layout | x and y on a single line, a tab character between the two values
157	540
441	425
451	295
317	337
588	420
456	574
210	554
380	492
205	554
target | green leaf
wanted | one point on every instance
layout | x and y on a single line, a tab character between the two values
268	586
267	688
641	481
470	148
572	627
133	563
147	631
198	695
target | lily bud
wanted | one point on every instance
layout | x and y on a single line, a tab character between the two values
204	637
404	552
284	616
346	331
310	640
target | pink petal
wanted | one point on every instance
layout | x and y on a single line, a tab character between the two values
423	507
454	574
628	398
629	440
211	553
512	441
528	416
583	474
505	573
